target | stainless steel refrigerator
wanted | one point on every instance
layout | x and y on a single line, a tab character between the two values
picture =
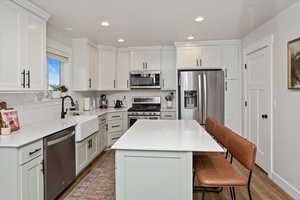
201	94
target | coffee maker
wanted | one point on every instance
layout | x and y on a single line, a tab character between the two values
103	101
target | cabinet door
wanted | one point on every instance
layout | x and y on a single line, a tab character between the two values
137	60
230	62
152	59
122	72
188	57
93	63
92	147
10	66
210	56
36	52
233	105
168	69
107	69
32	184
81	156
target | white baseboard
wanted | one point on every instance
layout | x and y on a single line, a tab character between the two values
286	186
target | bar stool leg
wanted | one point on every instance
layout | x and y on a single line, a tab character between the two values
233	191
231	194
203	195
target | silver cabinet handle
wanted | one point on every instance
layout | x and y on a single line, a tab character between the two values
200	62
225	72
197	62
116	126
226	86
146	65
90	83
115	116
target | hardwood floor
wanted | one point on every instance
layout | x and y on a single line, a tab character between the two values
262	187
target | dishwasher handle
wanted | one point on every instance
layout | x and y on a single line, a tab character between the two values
61	139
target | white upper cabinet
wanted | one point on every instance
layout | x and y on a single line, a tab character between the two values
10	66
122	70
188	57
107	68
230	61
36	53
198	56
210	56
85	64
168	68
145	58
22	49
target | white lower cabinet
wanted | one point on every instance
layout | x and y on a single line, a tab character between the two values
21	172
233	105
168	115
86	151
32	180
117	123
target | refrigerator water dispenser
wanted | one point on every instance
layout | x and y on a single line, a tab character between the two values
190	99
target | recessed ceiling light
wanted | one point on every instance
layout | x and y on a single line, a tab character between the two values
68	28
199	19
190	37
105	23
121	40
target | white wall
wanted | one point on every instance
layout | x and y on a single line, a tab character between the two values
286	134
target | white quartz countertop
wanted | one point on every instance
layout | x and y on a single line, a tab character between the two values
167	135
33	132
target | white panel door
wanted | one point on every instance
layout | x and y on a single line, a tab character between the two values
152	59
233	105
137	60
210	56
122	70
168	69
10	66
188	57
108	69
93	63
259	104
36	74
230	62
32	180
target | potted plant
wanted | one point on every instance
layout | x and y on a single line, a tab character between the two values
58	91
169	98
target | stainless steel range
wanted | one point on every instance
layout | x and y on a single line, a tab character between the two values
144	108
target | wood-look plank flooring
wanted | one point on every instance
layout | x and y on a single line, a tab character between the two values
262	187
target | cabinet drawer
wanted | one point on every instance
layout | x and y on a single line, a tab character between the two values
168	115
113	137
114	126
114	116
102	119
30	151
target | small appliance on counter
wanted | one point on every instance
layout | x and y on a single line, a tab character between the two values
118	104
87	104
103	101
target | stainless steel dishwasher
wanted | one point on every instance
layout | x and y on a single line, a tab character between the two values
59	162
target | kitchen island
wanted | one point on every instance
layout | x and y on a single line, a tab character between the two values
154	159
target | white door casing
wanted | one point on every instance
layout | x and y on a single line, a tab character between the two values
258	109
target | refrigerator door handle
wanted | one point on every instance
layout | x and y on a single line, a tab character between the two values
200	98
204	98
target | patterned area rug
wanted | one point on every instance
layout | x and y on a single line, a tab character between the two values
99	184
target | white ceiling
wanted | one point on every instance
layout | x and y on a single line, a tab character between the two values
157	22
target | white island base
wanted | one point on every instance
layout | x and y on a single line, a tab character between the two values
154	159
153	175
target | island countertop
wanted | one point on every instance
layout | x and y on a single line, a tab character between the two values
167	135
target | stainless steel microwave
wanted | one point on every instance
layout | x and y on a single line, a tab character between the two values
145	79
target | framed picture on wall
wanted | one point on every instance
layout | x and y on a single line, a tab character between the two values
294	64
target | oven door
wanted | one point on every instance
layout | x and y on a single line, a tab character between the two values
133	119
144	80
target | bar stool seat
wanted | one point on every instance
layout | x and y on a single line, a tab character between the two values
216	171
